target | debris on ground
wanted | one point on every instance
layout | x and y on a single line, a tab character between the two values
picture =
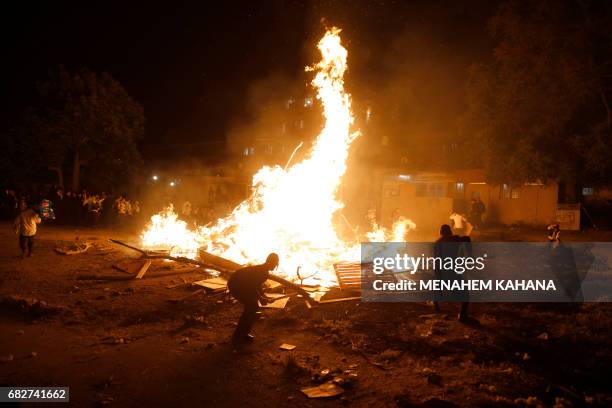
193	320
192	294
279	301
294	368
213	284
143	269
28	305
74	248
131	267
325	390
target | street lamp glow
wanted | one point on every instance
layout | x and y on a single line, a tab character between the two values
172	184
155	178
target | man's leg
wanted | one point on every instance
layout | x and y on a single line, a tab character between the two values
30	245
22	244
246	319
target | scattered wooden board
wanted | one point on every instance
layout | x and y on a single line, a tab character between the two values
279	303
340	299
349	275
328	389
131	267
213	284
143	269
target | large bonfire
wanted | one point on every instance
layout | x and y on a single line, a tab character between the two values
291	210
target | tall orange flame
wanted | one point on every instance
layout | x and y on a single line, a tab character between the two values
291	210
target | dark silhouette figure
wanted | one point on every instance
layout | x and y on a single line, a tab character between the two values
246	285
442	250
465	250
453	246
477	209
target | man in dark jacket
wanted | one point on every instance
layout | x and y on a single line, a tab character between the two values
246	285
445	247
453	246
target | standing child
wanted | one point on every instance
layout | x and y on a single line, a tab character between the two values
26	226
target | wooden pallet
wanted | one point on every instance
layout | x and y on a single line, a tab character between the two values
349	274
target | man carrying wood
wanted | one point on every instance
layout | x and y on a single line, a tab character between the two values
246	285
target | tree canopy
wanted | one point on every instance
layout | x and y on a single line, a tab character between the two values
539	110
83	119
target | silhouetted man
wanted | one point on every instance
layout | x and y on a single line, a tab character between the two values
477	209
246	285
465	250
445	247
26	225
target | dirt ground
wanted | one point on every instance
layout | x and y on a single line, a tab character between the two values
73	320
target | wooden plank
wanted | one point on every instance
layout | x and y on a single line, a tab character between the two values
143	269
340	299
131	267
226	270
214	284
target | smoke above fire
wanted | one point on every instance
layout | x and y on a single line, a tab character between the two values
291	210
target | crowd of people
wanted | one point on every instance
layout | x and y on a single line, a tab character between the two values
71	208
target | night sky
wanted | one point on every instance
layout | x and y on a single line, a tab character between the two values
190	64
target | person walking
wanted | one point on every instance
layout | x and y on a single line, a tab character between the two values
26	225
459	223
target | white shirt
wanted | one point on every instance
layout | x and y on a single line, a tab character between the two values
25	223
457	220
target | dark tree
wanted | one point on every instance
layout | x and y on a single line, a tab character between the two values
84	119
540	109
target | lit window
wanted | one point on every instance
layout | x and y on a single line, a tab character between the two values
248	151
459	187
289	102
429	190
587	191
436	190
508	192
308	102
368	114
505	191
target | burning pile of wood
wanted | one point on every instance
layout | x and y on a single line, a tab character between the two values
221	268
